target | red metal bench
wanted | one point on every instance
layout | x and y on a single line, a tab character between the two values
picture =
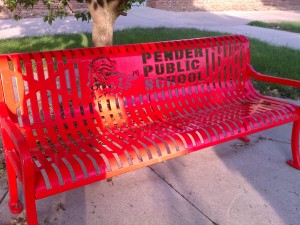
73	117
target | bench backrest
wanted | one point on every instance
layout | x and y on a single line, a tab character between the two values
107	84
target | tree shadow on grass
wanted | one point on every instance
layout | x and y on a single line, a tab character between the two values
57	42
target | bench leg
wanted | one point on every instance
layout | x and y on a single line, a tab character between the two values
14	204
245	139
30	201
295	146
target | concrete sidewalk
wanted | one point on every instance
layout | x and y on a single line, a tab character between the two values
230	184
231	22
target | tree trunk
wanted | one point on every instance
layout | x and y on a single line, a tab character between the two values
104	14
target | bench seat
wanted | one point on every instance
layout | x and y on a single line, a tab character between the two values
86	153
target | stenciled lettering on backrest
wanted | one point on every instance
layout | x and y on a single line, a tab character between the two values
171	67
104	79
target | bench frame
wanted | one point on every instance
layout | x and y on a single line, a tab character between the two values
18	155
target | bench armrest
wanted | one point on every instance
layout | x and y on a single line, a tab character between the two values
16	139
276	80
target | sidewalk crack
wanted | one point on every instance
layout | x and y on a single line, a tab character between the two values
185	198
3	197
270	139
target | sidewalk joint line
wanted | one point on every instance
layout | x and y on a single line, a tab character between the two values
271	139
186	199
282	142
3	197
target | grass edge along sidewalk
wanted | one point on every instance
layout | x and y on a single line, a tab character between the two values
290	26
266	58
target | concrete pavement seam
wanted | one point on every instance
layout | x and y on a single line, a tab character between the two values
270	139
3	197
186	199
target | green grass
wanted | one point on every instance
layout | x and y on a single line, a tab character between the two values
56	42
276	61
138	35
268	59
286	26
65	41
